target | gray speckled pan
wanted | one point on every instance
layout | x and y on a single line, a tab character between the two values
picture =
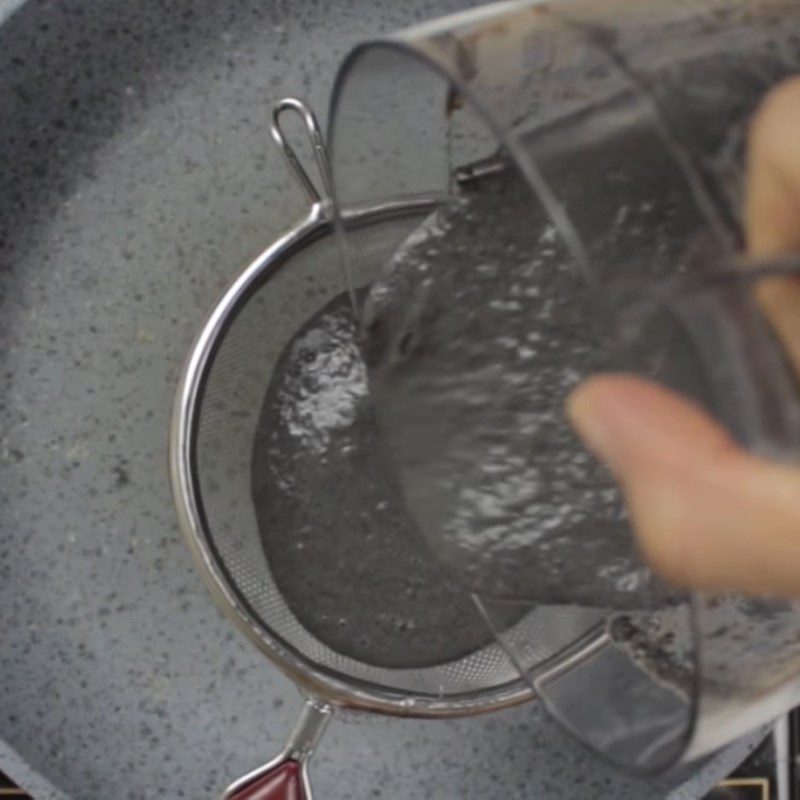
136	178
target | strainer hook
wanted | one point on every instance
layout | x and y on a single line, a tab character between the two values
317	144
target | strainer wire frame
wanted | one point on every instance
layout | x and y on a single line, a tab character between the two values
312	678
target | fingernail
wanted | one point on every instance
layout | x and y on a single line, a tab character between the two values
632	424
594	420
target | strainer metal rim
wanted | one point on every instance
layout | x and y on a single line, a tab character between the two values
311	677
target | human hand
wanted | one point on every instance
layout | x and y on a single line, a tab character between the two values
708	514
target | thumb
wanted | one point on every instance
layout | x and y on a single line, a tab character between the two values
708	514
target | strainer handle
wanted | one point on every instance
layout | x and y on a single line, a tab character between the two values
286	777
283	782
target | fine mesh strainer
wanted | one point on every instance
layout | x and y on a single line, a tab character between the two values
214	424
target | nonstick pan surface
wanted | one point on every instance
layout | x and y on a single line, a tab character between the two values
136	179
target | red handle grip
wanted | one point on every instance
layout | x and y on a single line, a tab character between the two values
283	782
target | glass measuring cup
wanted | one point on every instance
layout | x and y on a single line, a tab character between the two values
626	121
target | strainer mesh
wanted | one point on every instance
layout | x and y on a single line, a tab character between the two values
292	288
